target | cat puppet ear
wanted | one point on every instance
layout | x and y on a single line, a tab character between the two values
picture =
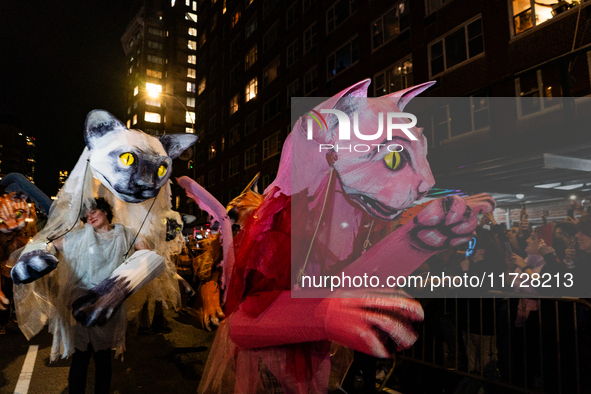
175	144
98	124
343	101
408	94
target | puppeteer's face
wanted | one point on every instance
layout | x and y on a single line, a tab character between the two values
97	218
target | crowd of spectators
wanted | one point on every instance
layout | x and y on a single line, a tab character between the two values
514	331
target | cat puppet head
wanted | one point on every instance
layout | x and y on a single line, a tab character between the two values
241	207
130	163
173	229
379	180
14	211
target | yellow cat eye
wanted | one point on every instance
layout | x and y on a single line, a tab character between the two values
178	229
161	171
392	160
1	221
127	158
18	214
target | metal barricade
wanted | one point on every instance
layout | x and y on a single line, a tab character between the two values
515	345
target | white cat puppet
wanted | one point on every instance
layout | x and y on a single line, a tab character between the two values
131	170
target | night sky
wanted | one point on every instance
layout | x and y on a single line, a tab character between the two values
58	61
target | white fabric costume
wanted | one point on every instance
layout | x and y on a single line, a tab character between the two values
46	300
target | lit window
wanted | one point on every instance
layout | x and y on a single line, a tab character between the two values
271	146
153	117
201	87
390	24
153	102
457	47
211	151
538	90
190	117
187	2
136	90
192	59
156	32
251	90
251	57
234	103
395	78
153	88
191	102
250	157
251	26
433	5
339	12
235	18
191	16
153	73
134	119
189	130
530	13
310	38
250	123
310	81
191	73
155	59
224	7
292	51
191	87
192	31
172	3
344	57
192	45
128	123
194	6
271	72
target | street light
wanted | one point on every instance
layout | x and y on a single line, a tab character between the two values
155	91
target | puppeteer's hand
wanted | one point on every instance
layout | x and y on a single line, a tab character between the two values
97	305
378	324
212	311
32	266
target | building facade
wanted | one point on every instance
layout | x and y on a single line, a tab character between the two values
245	59
161	49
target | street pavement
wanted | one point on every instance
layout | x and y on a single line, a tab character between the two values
155	363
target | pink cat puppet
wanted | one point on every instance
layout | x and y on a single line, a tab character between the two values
342	203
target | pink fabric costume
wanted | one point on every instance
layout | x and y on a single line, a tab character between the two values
343	202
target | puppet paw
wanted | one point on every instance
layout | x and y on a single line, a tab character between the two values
378	324
449	221
97	305
32	266
212	311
